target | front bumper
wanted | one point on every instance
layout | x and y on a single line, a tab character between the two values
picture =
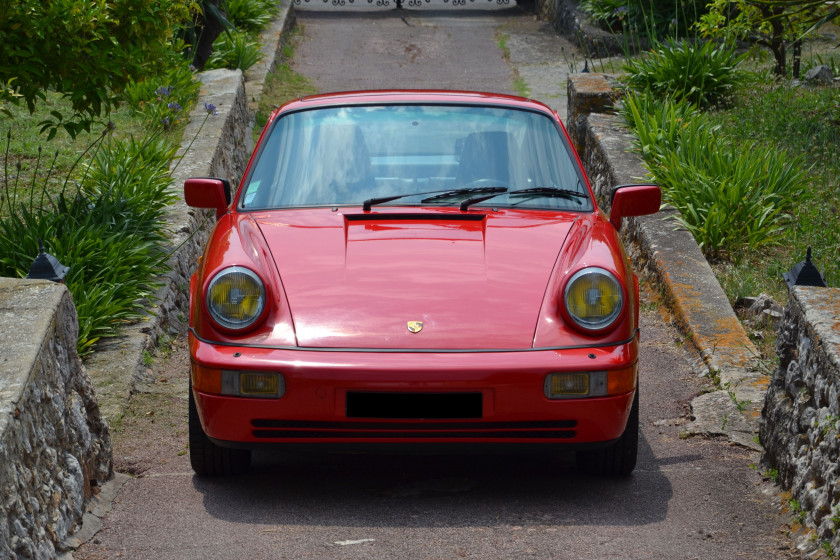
506	388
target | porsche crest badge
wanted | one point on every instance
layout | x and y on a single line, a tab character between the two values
415	326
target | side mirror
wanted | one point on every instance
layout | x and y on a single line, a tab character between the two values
208	192
634	200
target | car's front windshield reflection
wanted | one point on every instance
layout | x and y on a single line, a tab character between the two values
346	155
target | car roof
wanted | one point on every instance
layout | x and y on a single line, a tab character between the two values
378	97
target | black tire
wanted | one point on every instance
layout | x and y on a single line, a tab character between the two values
619	459
209	459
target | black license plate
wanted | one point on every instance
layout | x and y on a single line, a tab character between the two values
414	405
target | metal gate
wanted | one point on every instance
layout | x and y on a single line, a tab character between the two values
400	4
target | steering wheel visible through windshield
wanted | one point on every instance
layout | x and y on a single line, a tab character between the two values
412	155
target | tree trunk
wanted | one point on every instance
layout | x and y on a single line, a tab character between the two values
777	42
207	29
797	58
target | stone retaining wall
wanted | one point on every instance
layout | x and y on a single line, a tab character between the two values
55	448
573	24
800	425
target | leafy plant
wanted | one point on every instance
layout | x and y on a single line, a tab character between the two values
658	122
152	101
250	15
728	196
234	50
105	225
702	73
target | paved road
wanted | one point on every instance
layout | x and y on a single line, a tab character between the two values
688	498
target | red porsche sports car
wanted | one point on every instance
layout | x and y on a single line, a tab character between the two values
422	267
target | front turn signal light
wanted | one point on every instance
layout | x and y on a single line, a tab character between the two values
575	385
258	384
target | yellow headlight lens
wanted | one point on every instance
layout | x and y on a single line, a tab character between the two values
593	298
236	297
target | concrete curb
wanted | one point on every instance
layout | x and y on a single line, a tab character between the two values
668	254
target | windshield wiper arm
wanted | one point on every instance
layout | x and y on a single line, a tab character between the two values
366	205
536	191
466	190
444	193
549	191
476	199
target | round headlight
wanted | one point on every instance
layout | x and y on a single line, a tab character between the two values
236	298
593	299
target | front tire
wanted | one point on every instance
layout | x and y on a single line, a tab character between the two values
209	459
619	458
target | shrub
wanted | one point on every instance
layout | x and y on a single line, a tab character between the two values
659	123
729	196
651	18
105	226
151	100
250	15
86	51
703	74
234	50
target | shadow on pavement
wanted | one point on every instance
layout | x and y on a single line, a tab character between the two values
452	490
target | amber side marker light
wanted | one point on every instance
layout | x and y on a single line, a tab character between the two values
590	384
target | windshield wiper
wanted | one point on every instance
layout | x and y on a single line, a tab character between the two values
466	190
443	193
549	191
383	199
533	192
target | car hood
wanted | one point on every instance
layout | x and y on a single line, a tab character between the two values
474	280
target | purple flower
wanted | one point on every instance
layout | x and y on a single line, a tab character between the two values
210	108
174	107
165	122
620	11
164	91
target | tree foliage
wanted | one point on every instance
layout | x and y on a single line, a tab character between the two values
775	24
87	50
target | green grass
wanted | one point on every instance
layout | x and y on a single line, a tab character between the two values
283	84
26	142
521	87
804	121
51	161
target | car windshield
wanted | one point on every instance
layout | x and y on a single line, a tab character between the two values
415	155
